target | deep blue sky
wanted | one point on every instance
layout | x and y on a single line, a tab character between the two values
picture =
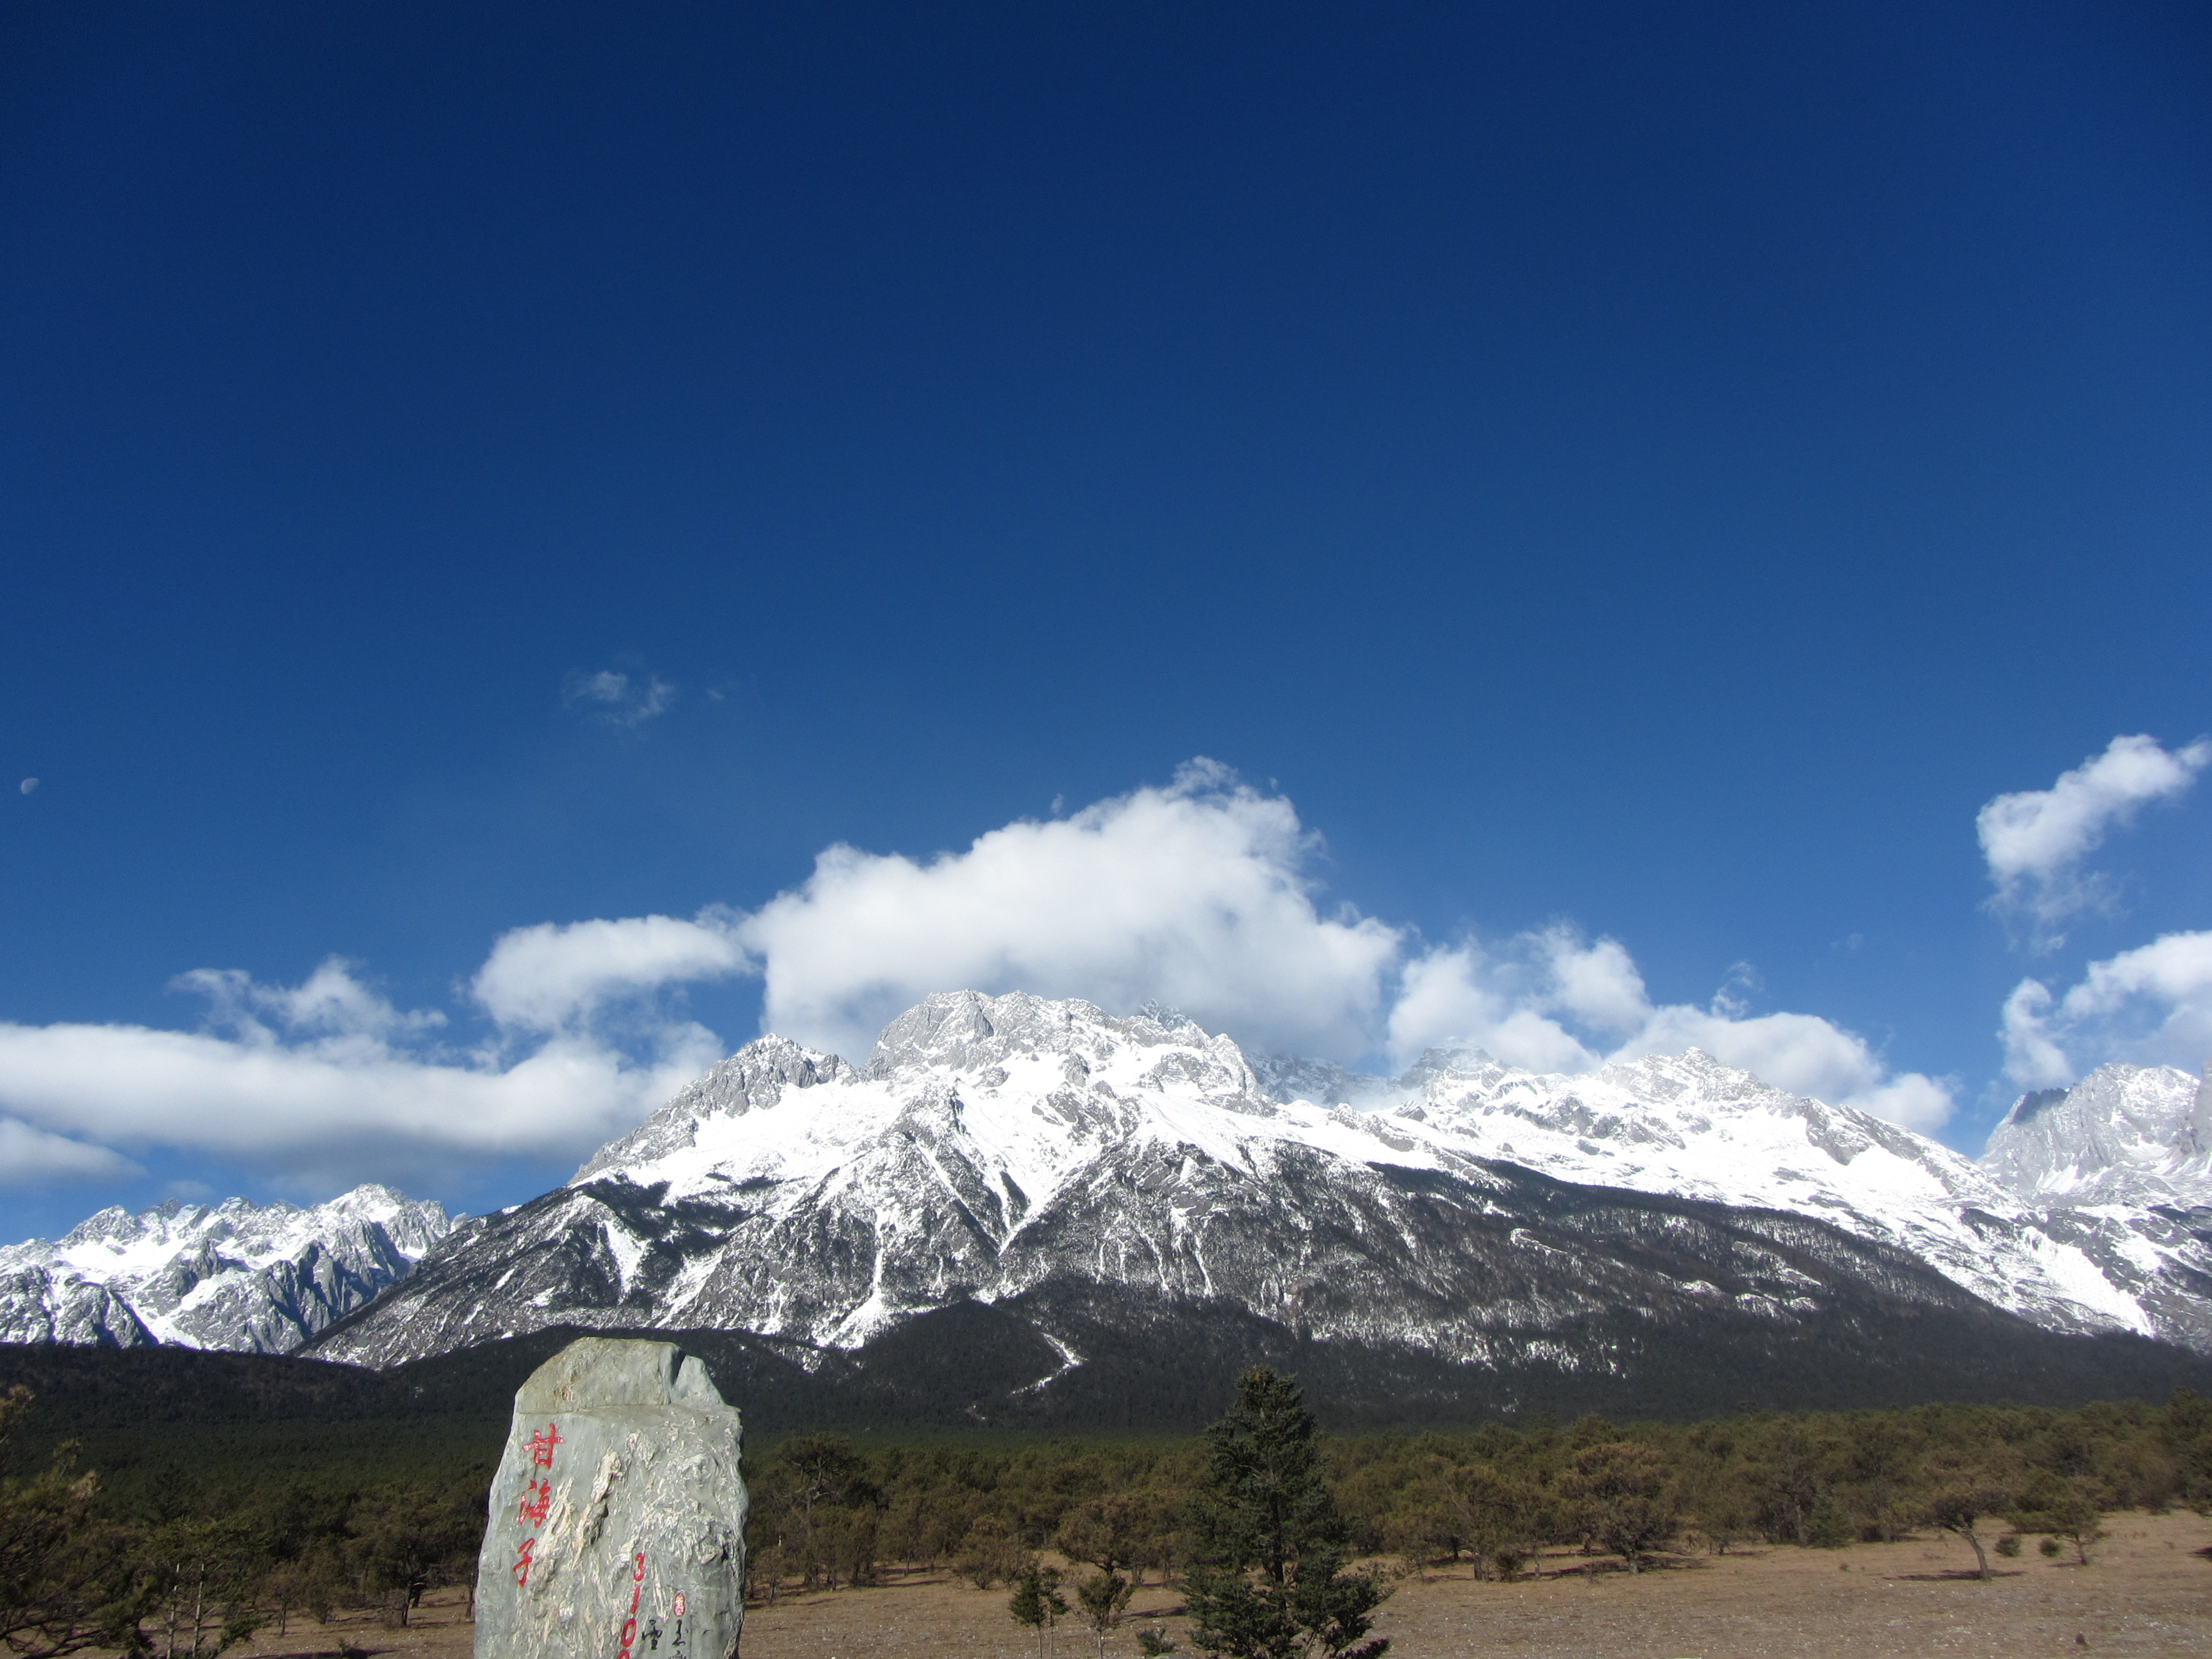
1657	467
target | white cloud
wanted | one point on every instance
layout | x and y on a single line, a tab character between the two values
1198	894
2034	841
327	1083
1550	1002
2151	1005
547	977
331	1004
32	1158
615	698
1194	894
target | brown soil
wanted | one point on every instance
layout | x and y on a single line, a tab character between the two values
2148	1590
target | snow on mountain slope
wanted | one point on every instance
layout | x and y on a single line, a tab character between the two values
993	1145
235	1275
2124	1135
1690	1126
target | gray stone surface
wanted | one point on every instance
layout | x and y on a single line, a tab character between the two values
617	1517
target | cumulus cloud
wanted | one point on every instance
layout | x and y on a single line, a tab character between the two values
1551	1002
2034	841
615	698
1197	893
2151	1005
1201	893
547	977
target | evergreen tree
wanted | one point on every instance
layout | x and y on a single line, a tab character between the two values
67	1579
1036	1601
1620	1496
1270	1581
1960	1509
1102	1600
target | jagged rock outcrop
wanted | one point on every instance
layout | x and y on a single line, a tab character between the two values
2124	1135
260	1279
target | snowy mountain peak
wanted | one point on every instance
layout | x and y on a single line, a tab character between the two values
967	1034
263	1278
755	1079
2123	1135
993	1148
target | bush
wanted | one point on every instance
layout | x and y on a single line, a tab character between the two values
1827	1525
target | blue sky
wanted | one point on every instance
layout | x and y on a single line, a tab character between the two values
1609	493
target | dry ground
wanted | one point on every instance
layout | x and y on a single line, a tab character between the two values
2148	1591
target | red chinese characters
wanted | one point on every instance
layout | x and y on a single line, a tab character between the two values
536	1497
636	1592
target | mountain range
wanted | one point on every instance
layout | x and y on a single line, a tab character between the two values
1089	1196
1021	1209
258	1279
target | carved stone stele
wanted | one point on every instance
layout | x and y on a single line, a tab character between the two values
617	1520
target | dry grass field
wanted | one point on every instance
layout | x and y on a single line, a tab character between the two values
2148	1590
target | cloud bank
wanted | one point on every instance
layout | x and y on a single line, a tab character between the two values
550	977
31	1158
328	1084
1201	893
2034	841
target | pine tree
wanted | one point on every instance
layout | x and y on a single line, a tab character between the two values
1270	1581
1036	1601
67	1579
1619	1494
1102	1600
1960	1507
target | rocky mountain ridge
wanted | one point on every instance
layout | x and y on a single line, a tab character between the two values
1115	1176
2124	1135
260	1279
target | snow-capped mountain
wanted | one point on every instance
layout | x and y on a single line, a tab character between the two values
261	1279
2123	1135
1015	1151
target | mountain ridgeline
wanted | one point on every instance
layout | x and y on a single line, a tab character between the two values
1020	1210
256	1278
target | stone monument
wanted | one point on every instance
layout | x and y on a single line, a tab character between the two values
618	1514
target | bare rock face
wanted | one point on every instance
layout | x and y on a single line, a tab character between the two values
618	1514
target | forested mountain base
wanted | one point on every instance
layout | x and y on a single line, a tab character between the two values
1152	1365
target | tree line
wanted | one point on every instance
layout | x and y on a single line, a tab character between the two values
831	1511
189	1560
185	1559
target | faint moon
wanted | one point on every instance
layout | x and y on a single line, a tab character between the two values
28	785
